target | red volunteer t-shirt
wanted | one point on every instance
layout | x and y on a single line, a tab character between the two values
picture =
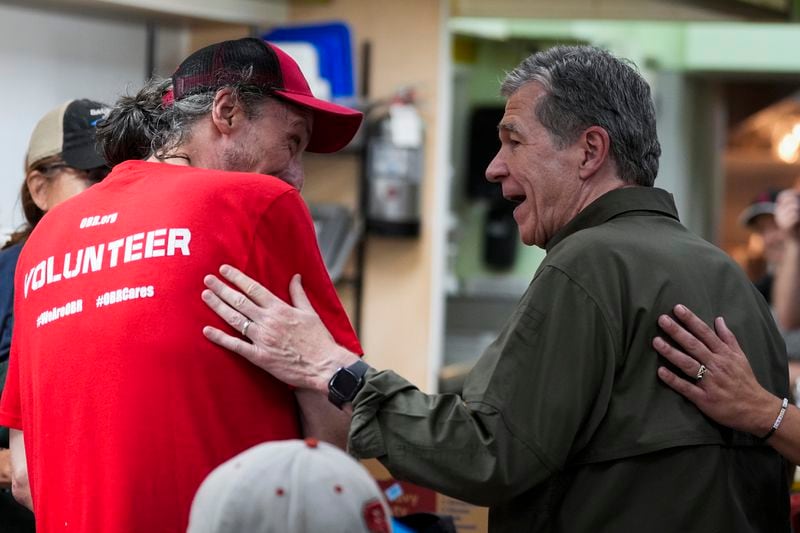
125	405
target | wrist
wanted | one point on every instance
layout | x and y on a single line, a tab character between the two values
791	242
336	359
346	383
765	416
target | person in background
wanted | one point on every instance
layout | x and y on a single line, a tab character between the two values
62	160
770	248
766	244
562	425
786	292
122	405
291	486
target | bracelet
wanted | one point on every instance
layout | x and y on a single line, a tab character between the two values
778	420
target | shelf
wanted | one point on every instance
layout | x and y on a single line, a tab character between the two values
247	12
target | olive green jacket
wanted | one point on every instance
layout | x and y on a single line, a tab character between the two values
563	424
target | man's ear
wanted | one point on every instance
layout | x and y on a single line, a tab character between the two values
224	110
596	145
39	186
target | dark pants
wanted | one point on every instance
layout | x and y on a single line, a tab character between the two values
14	518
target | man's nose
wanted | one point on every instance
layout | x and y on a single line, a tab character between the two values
497	169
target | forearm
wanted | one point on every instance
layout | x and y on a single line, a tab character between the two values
5	468
786	439
438	441
19	470
786	289
321	419
759	421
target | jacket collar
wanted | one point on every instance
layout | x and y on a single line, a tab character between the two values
616	203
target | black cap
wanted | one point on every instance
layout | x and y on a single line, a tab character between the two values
69	131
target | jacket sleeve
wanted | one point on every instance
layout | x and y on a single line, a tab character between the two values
532	400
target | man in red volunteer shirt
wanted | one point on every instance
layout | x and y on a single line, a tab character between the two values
124	406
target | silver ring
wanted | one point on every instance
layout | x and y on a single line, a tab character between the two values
701	372
246	325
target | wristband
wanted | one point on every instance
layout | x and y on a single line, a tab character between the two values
778	420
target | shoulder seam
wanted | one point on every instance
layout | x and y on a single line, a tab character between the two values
588	294
264	214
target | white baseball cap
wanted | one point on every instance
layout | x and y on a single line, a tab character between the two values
292	486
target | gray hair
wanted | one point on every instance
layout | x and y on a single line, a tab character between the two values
586	86
142	125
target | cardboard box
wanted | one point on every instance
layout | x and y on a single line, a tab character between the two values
406	498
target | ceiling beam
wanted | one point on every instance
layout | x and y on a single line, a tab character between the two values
670	10
262	13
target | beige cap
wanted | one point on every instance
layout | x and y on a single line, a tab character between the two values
290	486
68	131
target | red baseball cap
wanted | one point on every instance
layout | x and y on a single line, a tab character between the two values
267	66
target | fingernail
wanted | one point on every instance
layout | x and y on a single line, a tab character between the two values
658	342
206	294
664	321
680	309
225	269
721	321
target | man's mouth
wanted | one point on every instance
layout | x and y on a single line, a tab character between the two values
515	198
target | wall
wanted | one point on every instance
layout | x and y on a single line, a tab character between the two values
50	56
204	34
481	67
399	317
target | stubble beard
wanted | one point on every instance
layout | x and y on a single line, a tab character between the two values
239	160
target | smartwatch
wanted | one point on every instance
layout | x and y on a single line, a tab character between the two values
346	382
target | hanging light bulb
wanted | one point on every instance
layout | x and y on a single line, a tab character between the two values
788	148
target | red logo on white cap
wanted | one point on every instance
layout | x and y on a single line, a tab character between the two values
375	517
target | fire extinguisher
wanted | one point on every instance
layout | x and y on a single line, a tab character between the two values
394	168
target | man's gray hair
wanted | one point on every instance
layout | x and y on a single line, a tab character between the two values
587	86
144	124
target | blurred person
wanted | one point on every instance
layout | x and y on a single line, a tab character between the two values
766	244
107	357
290	486
769	243
562	424
62	160
787	276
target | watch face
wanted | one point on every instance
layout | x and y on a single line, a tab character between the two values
344	383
